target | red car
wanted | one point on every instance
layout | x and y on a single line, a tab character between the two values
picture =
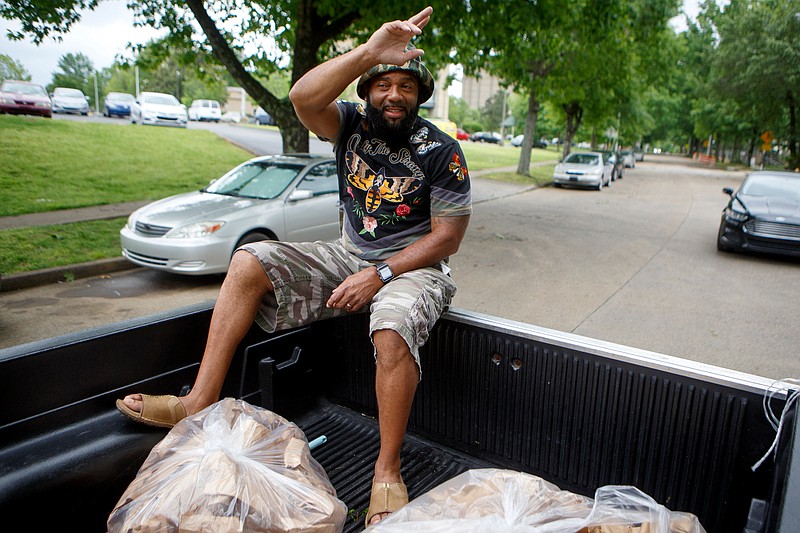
462	135
24	98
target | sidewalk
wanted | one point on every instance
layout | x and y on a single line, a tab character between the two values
68	216
483	190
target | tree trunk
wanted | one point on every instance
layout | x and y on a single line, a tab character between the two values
751	147
531	120
574	114
794	157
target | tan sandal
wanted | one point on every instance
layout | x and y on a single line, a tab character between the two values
386	498
159	411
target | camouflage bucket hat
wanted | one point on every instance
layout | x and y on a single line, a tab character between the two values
414	66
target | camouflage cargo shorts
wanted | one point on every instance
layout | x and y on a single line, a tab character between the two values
305	274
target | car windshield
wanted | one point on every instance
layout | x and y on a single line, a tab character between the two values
581	159
787	187
264	180
24	88
72	93
160	99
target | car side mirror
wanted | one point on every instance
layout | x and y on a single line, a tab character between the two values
300	194
728	191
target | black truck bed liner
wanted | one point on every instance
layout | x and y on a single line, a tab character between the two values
577	412
352	447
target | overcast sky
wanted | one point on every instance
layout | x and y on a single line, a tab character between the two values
103	34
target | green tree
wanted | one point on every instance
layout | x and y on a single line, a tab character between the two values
11	69
756	67
187	75
522	51
77	72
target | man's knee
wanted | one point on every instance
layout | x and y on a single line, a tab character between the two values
391	349
246	269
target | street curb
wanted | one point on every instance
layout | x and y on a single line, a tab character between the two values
35	278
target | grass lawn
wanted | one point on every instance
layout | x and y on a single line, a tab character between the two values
35	248
481	156
59	164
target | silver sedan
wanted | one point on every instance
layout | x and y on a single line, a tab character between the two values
583	169
287	198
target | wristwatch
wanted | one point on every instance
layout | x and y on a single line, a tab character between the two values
384	272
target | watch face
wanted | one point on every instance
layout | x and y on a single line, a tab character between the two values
385	273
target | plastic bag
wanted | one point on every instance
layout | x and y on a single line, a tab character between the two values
502	500
232	467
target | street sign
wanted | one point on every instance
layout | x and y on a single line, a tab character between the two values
767	137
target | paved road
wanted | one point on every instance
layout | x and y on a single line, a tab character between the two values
634	264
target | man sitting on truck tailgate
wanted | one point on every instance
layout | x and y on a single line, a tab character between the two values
405	200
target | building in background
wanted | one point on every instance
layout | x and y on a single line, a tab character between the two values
476	91
239	102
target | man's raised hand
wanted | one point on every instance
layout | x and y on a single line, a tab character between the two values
389	42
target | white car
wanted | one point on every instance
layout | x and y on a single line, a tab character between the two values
584	169
231	117
67	100
288	198
628	158
205	110
158	109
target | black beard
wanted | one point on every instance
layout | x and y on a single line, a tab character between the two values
393	133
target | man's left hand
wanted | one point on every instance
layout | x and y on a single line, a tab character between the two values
356	291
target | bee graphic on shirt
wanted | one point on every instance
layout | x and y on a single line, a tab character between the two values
378	185
457	168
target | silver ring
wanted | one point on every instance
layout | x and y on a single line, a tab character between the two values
347	305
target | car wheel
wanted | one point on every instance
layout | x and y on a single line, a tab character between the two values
255	236
600	185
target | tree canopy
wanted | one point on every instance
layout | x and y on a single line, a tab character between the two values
11	69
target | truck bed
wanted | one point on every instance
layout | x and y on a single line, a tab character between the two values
577	412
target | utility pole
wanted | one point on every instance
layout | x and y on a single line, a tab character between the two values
96	95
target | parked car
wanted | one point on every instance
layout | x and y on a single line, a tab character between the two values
638	154
24	98
486	137
262	118
117	104
462	135
158	109
232	117
615	158
284	197
583	169
205	110
68	100
628	159
763	215
517	141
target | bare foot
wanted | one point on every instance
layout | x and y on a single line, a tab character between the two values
378	517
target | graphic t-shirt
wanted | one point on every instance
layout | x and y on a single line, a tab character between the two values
389	193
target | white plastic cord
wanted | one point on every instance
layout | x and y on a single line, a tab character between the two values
775	421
